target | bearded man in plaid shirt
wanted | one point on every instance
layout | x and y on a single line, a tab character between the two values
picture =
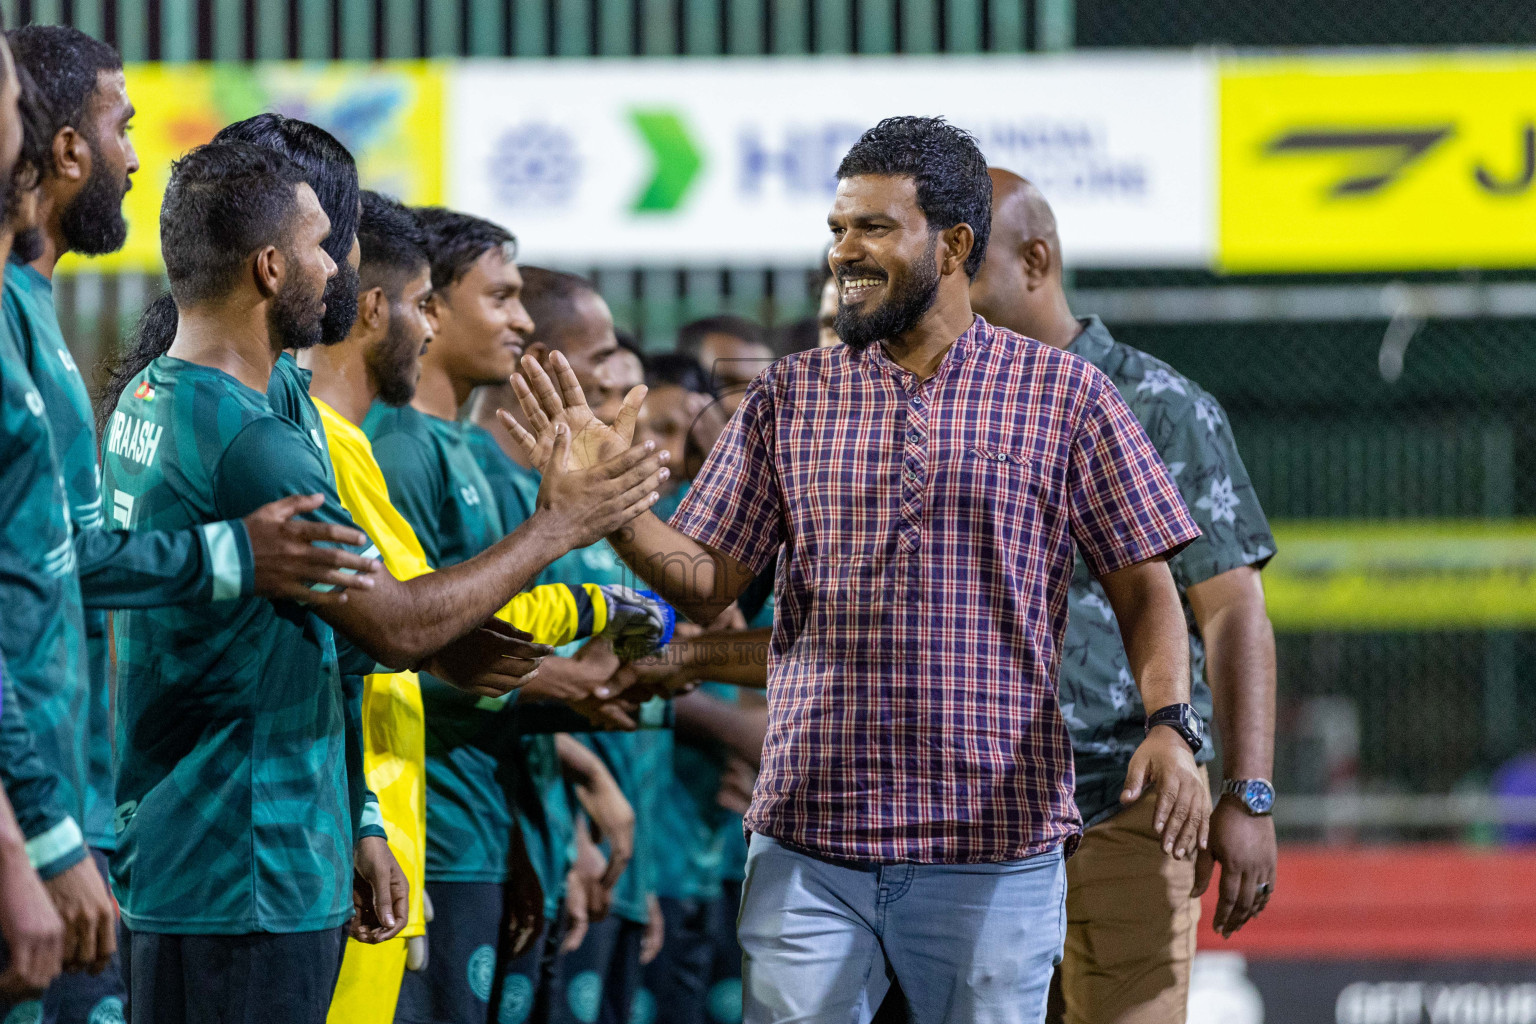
923	484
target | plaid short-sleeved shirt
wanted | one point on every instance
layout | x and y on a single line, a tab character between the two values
927	529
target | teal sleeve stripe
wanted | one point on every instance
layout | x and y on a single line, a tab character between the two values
496	703
584	614
50	847
247	558
224	559
322	588
371	817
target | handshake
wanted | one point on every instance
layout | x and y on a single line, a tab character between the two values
598	681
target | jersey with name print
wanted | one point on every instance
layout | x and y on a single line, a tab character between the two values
117	569
233	808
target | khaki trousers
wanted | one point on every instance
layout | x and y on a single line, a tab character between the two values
1131	927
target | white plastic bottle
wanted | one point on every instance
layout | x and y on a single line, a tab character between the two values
1220	991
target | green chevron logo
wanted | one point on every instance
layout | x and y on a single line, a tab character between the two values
677	160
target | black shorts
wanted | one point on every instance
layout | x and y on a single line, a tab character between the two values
234	979
469	977
599	982
679	978
725	1005
78	997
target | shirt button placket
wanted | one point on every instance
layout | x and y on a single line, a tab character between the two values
914	471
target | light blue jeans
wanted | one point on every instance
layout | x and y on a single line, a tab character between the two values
970	943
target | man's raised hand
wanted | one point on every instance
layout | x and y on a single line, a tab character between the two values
546	402
592	502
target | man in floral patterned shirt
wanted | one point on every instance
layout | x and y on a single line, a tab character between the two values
1131	915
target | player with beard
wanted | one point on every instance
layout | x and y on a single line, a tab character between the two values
330	170
242	851
380	361
85	115
31	932
925	480
492	790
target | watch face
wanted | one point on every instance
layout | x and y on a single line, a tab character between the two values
1259	796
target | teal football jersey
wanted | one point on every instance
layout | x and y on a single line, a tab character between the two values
288	395
116	569
233	808
44	735
543	803
436	485
640	760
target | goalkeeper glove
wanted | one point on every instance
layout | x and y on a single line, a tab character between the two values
639	622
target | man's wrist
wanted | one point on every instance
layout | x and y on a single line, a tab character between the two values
684	657
1183	720
549	531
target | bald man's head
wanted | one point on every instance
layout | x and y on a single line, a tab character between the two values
1022	211
1020	281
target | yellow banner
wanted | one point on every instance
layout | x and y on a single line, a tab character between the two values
1439	574
1378	163
389	114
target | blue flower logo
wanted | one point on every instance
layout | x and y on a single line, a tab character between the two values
108	1011
585	996
535	164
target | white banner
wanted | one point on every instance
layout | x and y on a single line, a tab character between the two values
716	161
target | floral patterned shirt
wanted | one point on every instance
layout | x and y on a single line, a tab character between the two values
1099	698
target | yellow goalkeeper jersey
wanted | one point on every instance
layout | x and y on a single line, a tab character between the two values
394	726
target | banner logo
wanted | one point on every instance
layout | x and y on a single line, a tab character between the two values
677	160
1389	153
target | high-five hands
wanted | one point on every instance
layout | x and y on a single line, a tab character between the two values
549	403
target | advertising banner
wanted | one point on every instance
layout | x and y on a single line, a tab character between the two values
734	161
1363	576
1226	990
388	114
1305	164
1355	163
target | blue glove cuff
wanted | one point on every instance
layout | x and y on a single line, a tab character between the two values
669	618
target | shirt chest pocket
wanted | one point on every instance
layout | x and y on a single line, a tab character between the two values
998	492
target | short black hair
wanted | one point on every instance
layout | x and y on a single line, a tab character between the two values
455	240
225	200
690	336
550	296
679	370
327	165
946	165
66	65
393	244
